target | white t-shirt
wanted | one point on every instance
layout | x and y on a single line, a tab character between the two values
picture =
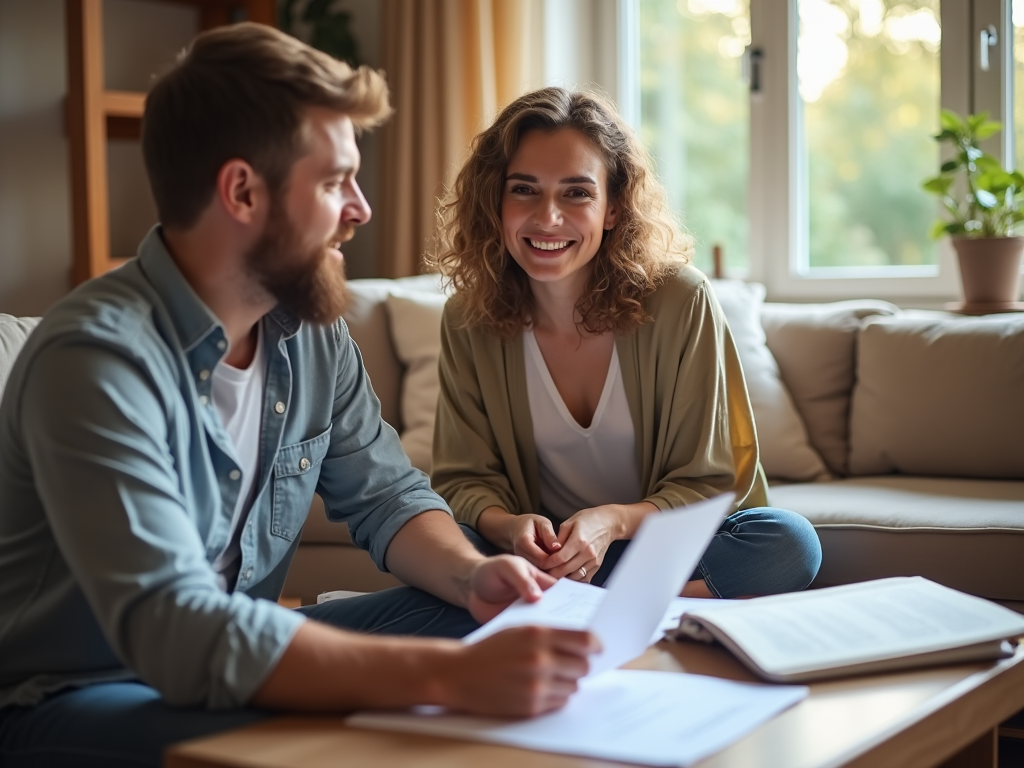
238	398
581	468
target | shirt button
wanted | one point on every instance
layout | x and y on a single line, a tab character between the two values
234	474
222	345
204	375
279	407
248	573
203	399
303	463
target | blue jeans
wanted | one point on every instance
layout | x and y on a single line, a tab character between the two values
116	725
761	551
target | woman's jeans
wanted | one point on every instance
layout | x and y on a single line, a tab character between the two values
116	725
761	551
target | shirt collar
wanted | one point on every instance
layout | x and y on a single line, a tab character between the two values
193	321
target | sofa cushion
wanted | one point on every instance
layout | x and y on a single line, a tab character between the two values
13	333
939	395
965	533
815	347
416	332
367	320
785	449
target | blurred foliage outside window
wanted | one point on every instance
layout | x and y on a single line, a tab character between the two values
695	117
869	78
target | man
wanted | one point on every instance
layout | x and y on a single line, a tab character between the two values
165	428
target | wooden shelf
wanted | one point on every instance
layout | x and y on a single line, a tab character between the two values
123	104
95	115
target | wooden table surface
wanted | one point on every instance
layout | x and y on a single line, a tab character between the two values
915	719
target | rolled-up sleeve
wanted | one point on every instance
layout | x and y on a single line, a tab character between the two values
366	479
96	428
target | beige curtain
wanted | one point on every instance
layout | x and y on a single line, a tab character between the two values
451	65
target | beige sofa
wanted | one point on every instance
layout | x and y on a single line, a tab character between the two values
900	435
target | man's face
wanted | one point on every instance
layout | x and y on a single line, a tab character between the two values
297	258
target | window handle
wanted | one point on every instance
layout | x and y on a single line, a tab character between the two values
752	67
989	39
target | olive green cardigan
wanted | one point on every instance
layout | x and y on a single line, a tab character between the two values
694	426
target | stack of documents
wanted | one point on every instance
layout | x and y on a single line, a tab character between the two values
653	718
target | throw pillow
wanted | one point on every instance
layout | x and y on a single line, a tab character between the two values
416	333
815	347
786	452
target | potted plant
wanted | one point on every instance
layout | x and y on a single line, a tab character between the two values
983	201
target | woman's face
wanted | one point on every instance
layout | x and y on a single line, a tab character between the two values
555	205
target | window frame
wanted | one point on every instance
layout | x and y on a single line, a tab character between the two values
777	200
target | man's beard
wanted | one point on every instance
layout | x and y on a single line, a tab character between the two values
307	283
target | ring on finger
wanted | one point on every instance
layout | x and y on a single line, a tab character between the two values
583	572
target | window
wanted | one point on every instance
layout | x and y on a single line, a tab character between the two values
695	117
808	172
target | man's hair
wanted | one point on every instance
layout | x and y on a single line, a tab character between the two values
241	91
636	255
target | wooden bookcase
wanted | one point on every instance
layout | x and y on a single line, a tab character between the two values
95	114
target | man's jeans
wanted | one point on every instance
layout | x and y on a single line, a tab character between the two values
761	551
116	725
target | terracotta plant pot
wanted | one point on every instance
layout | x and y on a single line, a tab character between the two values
990	269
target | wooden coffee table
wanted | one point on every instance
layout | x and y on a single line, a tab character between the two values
942	716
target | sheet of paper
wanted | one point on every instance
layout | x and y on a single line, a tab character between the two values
629	615
566	605
652	571
572	605
636	716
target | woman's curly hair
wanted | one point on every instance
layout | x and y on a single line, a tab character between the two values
645	246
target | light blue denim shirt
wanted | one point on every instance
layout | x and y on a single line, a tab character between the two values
117	484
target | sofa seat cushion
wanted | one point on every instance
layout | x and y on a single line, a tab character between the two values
965	533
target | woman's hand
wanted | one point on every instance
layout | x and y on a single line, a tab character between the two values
586	536
530	536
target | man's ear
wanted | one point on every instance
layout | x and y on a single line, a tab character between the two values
242	192
611	215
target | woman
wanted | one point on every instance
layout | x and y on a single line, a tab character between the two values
588	378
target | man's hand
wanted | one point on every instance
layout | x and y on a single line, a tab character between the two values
496	582
519	672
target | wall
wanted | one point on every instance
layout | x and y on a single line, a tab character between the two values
35	226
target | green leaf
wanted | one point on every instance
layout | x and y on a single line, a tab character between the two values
949	165
974	121
938	229
938	186
945	135
951	122
985	130
988	163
